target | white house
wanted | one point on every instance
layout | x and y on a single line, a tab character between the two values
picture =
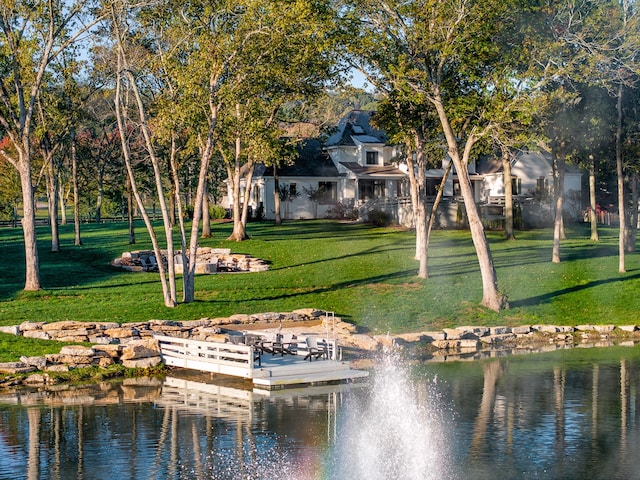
356	170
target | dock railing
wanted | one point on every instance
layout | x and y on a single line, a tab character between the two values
226	358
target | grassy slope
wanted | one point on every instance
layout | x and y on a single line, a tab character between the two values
365	274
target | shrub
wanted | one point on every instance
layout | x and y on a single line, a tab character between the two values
379	218
217	212
340	211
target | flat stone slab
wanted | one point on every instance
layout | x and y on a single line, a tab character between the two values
15	367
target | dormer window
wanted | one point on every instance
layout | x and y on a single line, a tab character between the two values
372	158
357	129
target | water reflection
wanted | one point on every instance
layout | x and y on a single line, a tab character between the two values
570	415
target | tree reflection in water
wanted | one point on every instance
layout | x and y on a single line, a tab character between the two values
570	414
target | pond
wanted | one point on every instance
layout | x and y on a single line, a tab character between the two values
571	414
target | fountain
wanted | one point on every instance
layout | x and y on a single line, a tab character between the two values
397	431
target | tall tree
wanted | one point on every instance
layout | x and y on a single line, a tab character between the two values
451	52
32	35
605	37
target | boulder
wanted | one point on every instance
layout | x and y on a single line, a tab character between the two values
27	326
39	334
15	367
140	349
628	328
11	330
146	362
77	351
37	362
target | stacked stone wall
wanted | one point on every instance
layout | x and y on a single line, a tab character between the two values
133	345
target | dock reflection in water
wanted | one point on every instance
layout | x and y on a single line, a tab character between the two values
182	427
569	414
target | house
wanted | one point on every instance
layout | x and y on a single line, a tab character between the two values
355	170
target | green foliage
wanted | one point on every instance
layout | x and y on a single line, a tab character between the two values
341	211
379	218
217	212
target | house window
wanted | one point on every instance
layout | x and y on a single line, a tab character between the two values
328	192
541	185
372	158
433	184
516	186
371	189
293	190
456	188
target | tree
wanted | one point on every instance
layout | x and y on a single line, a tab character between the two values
32	35
413	123
289	57
452	53
605	37
127	76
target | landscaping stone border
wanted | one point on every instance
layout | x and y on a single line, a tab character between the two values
133	345
208	260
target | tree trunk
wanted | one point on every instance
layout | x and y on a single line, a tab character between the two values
99	195
276	195
52	200
508	195
593	213
620	172
421	209
436	203
168	285
491	297
206	217
239	209
32	278
559	161
415	199
246	200
76	195
62	197
633	223
130	218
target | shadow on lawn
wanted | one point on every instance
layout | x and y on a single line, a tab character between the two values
540	299
407	274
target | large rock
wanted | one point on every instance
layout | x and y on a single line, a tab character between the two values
68	325
26	326
15	367
39	334
37	362
77	351
147	362
360	341
140	349
11	330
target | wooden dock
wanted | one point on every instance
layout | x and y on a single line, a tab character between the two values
269	370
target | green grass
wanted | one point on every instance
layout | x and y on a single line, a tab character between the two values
365	275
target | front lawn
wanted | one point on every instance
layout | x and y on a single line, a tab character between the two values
365	275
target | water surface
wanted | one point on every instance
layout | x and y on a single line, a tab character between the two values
570	414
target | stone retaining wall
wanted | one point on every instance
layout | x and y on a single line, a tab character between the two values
208	260
133	345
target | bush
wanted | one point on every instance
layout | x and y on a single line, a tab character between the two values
340	211
217	212
379	218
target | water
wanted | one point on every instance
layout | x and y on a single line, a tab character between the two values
566	415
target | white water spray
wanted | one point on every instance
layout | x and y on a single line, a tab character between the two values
398	432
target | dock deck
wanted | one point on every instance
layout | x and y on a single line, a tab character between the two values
267	370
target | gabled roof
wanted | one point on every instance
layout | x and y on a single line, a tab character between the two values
491	164
355	126
311	161
373	170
